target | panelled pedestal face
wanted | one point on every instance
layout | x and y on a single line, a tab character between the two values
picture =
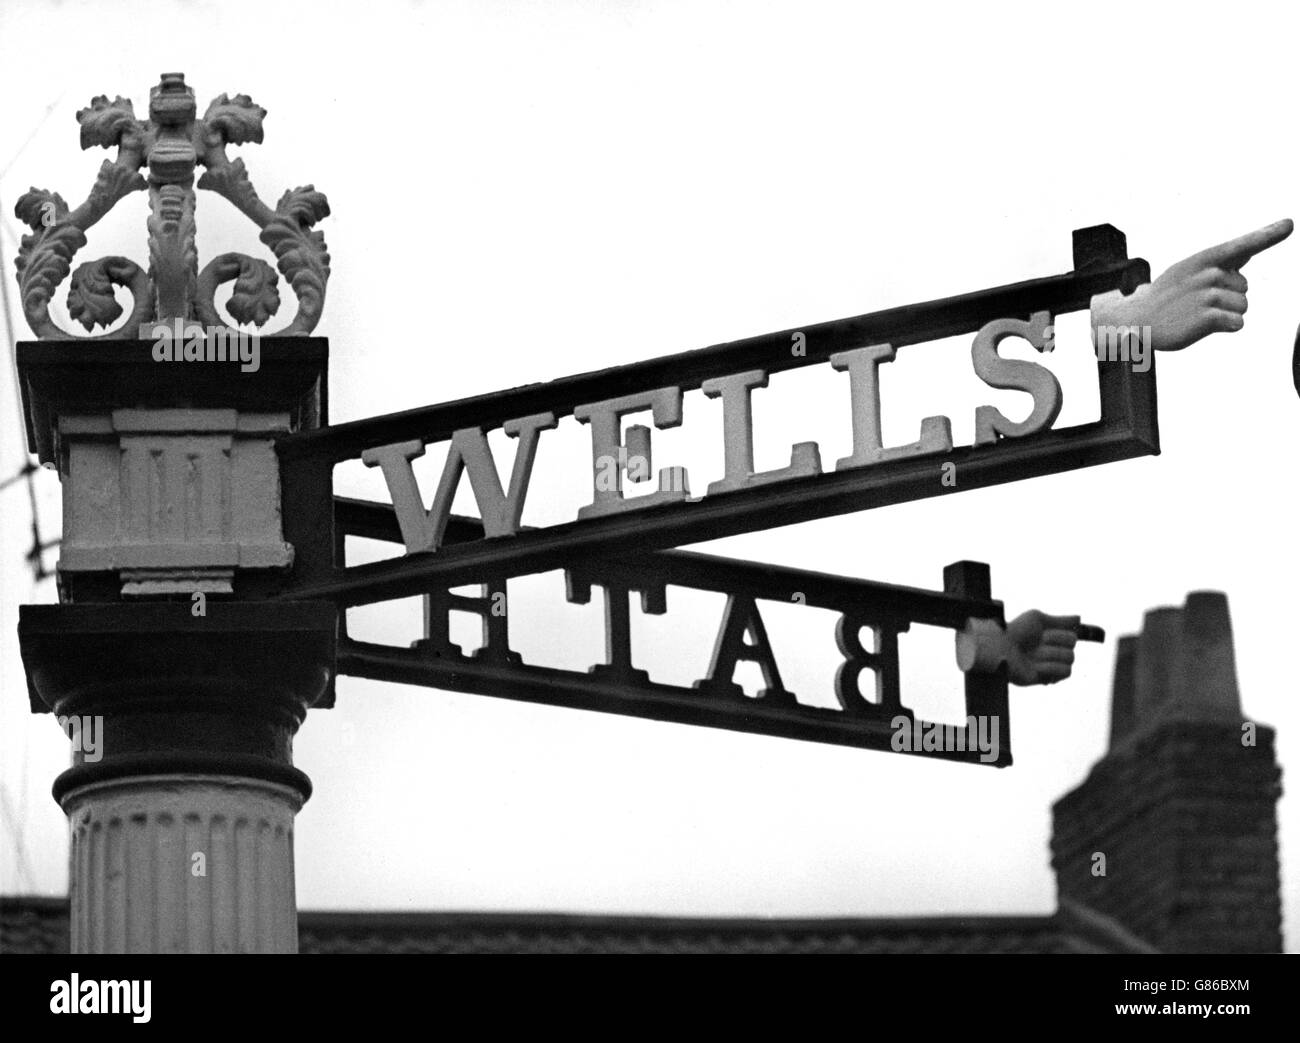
174	500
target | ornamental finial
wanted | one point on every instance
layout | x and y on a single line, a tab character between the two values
171	143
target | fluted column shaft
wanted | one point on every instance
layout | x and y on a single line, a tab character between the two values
182	864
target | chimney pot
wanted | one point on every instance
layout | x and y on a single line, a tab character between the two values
1209	663
1158	674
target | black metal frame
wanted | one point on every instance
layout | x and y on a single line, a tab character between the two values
617	687
1127	428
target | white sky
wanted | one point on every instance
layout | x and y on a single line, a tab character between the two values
522	192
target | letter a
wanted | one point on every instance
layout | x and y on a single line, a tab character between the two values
742	620
59	1001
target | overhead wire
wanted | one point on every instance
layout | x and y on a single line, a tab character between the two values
25	474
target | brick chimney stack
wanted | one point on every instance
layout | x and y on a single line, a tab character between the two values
1174	832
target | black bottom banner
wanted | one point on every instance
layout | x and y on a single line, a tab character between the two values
141	993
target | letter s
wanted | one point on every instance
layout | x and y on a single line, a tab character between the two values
1015	375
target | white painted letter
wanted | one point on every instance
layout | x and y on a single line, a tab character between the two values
864	390
665	405
738	436
1015	375
469	451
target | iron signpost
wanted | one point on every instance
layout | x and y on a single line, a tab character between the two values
593	549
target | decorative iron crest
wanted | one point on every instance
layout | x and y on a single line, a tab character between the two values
171	143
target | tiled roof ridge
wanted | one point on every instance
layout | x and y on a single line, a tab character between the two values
39	923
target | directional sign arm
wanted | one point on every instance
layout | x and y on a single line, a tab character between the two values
714	700
1127	428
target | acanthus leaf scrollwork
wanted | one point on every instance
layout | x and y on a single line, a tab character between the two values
169	145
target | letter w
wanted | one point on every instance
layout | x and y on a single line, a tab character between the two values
469	451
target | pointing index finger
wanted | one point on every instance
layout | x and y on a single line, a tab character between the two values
1236	252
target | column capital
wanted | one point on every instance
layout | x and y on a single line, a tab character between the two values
218	694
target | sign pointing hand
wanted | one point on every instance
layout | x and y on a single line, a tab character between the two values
1201	294
1037	648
